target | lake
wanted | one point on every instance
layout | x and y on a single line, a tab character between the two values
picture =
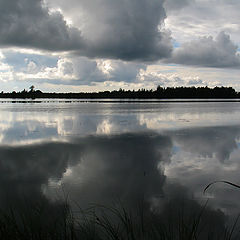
107	152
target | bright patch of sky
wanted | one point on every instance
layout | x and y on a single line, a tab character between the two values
19	61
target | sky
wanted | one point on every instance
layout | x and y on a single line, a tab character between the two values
97	45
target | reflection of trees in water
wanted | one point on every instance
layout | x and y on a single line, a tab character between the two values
128	167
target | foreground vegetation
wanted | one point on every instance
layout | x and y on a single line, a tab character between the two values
159	93
39	222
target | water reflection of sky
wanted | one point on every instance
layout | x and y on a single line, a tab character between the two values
102	152
41	121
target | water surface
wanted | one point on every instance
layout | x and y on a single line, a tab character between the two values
104	152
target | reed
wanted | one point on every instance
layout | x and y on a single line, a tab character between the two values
117	222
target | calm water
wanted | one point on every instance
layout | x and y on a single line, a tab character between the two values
103	152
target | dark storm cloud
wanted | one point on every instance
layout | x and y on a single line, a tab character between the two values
118	29
206	51
26	23
126	29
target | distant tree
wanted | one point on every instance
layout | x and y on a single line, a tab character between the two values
159	88
32	88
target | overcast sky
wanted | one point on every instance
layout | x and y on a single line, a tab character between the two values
82	45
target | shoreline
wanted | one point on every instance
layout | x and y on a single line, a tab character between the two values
121	100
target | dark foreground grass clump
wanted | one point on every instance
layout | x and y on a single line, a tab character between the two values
59	222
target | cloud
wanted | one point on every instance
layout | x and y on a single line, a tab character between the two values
67	71
176	5
81	71
195	82
27	23
6	71
128	30
168	79
206	51
117	70
122	29
203	18
19	60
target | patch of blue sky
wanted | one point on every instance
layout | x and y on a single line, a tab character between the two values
17	85
20	85
172	65
176	44
4	71
168	71
20	60
9	86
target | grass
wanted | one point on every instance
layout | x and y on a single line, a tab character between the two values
188	222
225	182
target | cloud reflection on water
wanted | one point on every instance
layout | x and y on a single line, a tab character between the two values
204	155
124	164
126	167
30	121
98	169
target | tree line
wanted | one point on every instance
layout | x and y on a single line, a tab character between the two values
158	93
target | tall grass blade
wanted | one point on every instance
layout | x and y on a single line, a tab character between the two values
226	182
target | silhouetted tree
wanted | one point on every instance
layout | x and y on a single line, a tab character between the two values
31	88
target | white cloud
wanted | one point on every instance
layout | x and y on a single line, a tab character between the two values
81	71
6	71
157	77
32	67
